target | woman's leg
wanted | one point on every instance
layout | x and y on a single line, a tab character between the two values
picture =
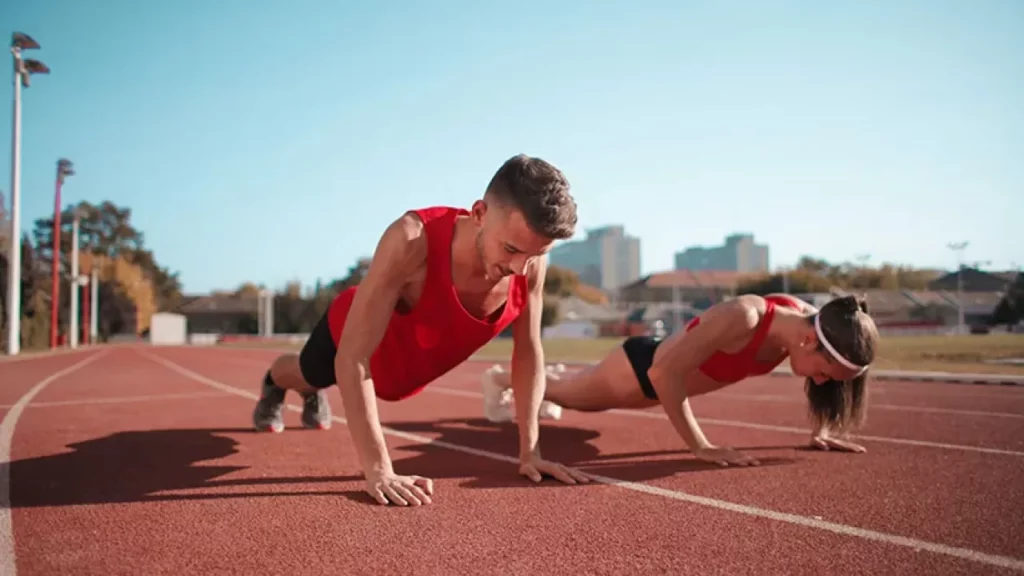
606	385
497	389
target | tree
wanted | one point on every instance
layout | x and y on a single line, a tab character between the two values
106	232
560	282
355	275
248	290
817	275
34	301
1011	308
129	288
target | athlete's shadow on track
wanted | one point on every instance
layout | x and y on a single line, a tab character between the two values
143	465
561	443
136	466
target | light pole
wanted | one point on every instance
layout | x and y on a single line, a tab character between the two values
64	169
959	248
75	281
23	70
265	313
94	308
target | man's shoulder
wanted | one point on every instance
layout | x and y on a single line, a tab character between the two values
404	242
430	214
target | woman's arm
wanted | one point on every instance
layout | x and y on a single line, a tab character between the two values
720	326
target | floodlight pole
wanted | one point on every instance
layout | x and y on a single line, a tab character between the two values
64	169
76	283
23	69
959	248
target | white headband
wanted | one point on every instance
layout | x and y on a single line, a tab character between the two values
831	349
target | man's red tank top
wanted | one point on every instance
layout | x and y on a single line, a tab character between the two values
438	334
730	368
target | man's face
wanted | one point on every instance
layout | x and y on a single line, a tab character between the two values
505	243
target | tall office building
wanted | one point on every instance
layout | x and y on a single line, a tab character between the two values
739	254
607	258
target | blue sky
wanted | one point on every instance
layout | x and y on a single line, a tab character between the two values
275	141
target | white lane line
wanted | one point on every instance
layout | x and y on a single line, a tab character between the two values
768	427
893	539
121	399
8	564
894	407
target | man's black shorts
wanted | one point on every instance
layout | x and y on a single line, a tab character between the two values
316	360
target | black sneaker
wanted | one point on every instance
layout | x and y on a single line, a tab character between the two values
316	411
267	416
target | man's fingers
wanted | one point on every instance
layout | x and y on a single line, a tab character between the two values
425	483
407	494
419	494
579	476
531	473
560	474
379	496
393	496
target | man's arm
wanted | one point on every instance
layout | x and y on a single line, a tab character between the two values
722	325
399	253
527	375
529	381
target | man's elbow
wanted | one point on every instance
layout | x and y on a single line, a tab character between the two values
349	371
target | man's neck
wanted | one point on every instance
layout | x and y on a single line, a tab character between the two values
466	266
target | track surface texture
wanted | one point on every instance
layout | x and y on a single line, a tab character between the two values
140	460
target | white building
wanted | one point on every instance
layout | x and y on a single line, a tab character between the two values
607	258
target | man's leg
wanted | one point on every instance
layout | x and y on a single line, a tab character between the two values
310	373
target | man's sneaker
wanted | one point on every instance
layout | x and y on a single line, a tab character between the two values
316	411
497	400
267	414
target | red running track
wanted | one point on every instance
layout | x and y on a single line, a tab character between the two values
142	461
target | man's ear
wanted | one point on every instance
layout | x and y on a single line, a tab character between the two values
478	211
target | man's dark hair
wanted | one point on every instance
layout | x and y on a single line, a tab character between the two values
841	405
539	191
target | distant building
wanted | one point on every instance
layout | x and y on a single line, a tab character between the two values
607	258
699	289
220	314
974	280
739	254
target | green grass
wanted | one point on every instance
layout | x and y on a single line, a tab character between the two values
928	353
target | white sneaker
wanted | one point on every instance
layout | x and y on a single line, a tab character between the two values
497	400
549	411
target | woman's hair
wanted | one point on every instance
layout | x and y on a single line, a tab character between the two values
843	324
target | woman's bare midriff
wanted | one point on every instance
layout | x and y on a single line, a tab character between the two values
613	384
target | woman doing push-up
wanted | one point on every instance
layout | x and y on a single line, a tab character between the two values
733	340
